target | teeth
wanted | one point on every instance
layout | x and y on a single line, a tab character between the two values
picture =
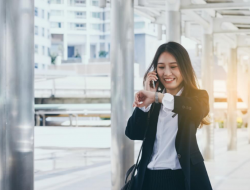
169	79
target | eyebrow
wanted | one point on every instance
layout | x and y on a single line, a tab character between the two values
169	63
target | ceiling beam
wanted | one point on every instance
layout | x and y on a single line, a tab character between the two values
216	6
197	18
243	31
143	14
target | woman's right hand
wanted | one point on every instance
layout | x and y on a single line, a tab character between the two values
151	76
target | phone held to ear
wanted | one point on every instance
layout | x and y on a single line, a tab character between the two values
153	80
153	83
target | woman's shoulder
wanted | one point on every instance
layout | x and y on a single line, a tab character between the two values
198	92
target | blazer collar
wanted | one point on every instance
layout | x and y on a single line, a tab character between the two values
178	93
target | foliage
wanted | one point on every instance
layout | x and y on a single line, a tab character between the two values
103	53
53	58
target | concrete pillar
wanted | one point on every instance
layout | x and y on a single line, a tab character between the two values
159	31
122	88
207	84
173	21
232	100
88	34
16	94
102	3
65	46
248	109
65	27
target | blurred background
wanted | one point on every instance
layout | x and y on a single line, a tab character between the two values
81	48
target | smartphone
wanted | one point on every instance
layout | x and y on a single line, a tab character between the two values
154	81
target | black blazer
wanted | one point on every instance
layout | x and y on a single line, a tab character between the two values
191	109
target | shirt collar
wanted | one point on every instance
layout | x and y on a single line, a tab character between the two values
178	94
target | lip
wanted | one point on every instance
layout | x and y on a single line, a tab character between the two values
169	81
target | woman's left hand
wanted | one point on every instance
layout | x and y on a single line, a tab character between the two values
144	98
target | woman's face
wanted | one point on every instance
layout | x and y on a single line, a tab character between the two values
169	73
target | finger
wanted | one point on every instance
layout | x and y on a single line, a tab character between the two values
141	105
154	78
137	98
151	73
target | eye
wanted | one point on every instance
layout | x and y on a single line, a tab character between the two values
161	67
173	67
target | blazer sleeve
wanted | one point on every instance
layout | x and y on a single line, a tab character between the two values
196	107
136	125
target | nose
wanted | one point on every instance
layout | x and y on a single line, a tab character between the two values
167	72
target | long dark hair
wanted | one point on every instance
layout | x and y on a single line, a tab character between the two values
190	81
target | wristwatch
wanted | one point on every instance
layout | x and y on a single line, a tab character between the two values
156	98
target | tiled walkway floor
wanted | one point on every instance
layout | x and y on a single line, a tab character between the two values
65	161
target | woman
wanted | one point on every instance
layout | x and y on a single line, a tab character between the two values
173	110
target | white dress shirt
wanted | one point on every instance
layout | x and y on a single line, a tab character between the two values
164	154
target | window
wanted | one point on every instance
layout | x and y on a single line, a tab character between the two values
80	14
80	26
96	15
36	11
102	46
81	2
48	34
97	26
48	52
56	1
107	27
36	30
107	15
55	25
42	13
43	33
36	48
95	2
48	16
43	50
36	65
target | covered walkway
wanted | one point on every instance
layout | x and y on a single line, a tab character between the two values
80	164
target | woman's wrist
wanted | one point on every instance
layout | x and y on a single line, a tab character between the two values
160	97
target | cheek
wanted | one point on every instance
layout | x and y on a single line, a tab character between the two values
178	75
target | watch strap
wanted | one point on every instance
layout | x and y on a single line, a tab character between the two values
156	98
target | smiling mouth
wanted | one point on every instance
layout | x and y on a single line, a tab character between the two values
169	80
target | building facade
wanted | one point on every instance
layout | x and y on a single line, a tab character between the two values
42	37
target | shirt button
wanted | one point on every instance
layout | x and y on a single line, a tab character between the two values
179	156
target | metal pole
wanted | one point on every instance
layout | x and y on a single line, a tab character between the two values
37	120
232	100
159	31
173	21
76	115
248	110
207	84
70	120
122	88
44	120
16	94
65	46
